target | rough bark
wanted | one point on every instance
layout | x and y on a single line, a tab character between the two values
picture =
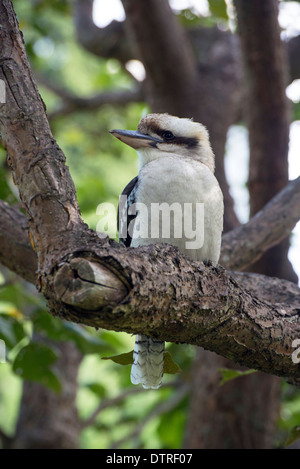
23	117
36	160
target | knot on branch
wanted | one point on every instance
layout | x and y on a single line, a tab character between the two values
88	285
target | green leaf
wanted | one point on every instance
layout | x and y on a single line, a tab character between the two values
122	359
218	8
34	362
85	340
96	388
170	367
296	110
57	329
228	375
11	331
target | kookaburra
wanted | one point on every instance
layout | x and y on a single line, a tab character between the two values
176	173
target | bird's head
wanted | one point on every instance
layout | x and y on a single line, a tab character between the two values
160	134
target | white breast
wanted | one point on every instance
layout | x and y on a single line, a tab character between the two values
186	192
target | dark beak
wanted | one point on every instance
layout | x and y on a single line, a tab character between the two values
135	139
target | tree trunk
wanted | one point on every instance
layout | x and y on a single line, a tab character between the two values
268	117
240	414
48	420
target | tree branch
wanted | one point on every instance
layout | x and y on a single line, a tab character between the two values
191	303
117	400
107	42
240	247
267	116
72	102
187	302
162	408
101	283
246	243
116	98
196	304
293	51
45	185
170	59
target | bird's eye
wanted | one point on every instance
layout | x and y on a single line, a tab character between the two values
167	135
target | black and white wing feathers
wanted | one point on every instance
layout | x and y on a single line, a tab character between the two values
128	198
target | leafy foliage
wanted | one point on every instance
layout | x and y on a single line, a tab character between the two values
34	363
58	330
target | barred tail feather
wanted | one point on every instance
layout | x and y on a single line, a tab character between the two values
148	365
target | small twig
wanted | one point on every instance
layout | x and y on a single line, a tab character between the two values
161	408
72	102
117	399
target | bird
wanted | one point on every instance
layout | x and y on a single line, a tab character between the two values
176	170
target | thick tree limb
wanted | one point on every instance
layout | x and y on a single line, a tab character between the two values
100	283
240	247
246	243
187	302
190	303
